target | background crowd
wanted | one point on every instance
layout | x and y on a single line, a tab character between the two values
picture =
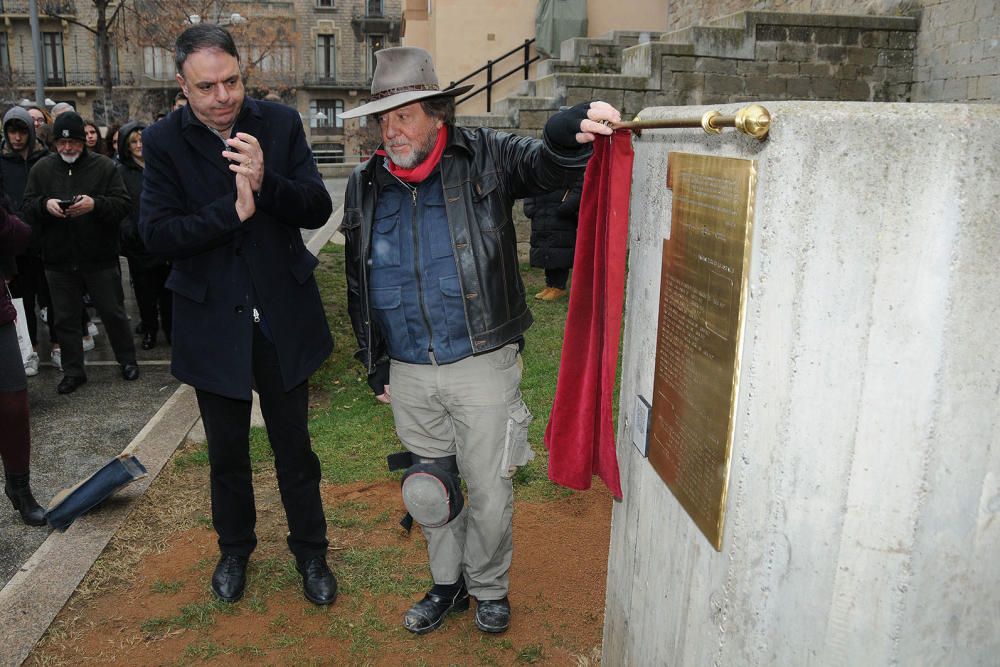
69	198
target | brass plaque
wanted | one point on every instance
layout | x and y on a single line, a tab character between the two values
702	299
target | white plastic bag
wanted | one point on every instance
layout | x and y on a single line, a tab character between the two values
23	339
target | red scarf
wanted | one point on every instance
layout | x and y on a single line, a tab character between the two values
423	170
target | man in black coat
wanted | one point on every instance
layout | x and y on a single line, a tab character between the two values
229	181
75	200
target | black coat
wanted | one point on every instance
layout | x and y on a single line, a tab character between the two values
223	268
88	242
131	173
553	226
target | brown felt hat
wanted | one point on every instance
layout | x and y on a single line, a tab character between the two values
403	75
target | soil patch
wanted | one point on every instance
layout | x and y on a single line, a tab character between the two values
159	610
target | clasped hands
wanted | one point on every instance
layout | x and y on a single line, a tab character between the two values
246	160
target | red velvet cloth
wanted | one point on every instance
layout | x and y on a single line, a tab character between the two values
581	434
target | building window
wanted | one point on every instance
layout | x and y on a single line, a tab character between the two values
375	43
4	53
325	153
324	4
373	7
326	57
323	114
55	67
158	63
275	58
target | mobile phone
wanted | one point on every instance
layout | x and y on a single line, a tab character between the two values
66	203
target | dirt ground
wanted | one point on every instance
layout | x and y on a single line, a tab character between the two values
147	600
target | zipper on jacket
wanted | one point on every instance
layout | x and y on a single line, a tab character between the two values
256	316
416	265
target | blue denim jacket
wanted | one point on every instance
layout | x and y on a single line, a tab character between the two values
416	297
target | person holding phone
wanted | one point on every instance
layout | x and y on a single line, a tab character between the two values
75	199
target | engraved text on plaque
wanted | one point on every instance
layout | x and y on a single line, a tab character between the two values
702	294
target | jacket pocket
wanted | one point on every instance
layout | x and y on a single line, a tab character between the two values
186	286
303	266
387	311
516	450
486	203
385	236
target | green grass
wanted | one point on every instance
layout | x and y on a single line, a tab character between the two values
197	616
167	587
380	571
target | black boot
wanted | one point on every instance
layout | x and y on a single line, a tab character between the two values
18	490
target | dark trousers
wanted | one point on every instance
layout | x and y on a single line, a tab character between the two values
105	287
155	301
227	427
556	278
29	284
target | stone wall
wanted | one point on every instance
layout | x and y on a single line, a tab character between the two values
957	48
863	497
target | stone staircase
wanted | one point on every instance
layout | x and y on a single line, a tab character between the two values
744	57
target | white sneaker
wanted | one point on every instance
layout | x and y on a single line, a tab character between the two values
92	329
57	358
31	365
88	343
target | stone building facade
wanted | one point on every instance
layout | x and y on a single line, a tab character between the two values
316	55
957	49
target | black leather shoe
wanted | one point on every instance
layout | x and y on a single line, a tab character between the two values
70	383
318	582
18	490
493	615
130	371
429	613
230	578
148	341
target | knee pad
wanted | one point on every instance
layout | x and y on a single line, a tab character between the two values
432	490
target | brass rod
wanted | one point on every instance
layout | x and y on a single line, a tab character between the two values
753	120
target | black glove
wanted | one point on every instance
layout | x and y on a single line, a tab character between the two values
560	130
379	378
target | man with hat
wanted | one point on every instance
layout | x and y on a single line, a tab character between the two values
228	185
437	305
75	200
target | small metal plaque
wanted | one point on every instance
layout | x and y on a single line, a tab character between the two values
640	425
702	299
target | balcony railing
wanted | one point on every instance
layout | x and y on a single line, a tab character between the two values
71	79
21	7
320	80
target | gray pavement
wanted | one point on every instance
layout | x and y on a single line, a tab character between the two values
73	436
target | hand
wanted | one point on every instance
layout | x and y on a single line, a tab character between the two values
598	116
54	209
247	158
386	397
83	204
246	206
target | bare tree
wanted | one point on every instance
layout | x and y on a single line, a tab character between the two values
104	29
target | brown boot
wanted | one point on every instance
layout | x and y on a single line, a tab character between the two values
18	490
544	293
554	293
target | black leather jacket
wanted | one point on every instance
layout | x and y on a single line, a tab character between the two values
482	171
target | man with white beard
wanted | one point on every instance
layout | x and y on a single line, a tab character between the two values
74	201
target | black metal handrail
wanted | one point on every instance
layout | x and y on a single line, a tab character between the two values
528	59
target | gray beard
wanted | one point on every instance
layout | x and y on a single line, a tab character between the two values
69	159
410	162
